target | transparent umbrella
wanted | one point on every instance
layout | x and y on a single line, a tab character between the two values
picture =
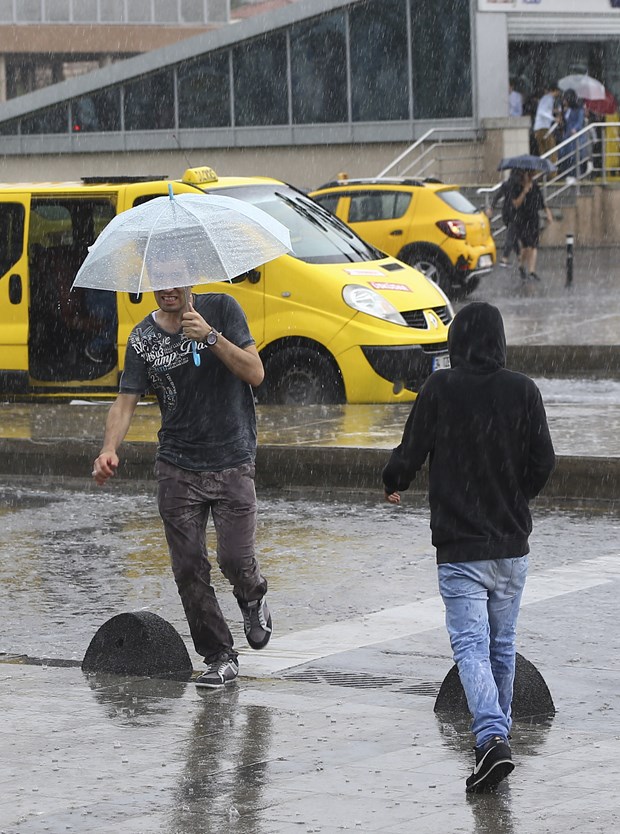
216	237
584	85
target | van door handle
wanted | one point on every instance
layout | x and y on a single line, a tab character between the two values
15	289
396	232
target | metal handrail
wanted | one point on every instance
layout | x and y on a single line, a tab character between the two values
570	176
419	142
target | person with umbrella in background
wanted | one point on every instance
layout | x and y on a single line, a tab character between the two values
527	201
197	354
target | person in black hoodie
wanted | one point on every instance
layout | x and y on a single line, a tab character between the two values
484	430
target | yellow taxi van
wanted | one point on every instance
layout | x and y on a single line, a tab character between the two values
334	321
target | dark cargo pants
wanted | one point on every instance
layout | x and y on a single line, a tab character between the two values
185	499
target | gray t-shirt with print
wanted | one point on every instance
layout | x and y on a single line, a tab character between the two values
208	420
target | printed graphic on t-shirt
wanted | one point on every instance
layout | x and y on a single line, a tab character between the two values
162	353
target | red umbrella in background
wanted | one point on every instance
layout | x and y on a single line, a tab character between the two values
606	106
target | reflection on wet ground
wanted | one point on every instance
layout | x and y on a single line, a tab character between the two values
584	418
286	753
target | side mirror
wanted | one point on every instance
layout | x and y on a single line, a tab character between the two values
253	276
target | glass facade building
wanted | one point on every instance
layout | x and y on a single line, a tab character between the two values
371	61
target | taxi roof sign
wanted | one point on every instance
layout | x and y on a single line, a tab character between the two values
198	175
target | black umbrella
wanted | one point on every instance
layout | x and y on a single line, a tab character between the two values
527	162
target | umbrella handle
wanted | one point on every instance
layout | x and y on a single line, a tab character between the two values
170	191
196	355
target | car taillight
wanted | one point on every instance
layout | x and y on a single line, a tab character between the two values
453	228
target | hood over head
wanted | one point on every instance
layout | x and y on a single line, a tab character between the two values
476	339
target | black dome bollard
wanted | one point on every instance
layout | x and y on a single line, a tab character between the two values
530	696
138	643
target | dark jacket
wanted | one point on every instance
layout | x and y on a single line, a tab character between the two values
505	194
485	432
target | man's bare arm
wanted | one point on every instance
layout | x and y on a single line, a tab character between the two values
244	363
116	427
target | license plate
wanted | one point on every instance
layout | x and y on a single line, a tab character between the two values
442	361
485	261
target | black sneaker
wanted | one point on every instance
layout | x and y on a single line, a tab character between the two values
534	277
256	622
219	672
493	763
523	273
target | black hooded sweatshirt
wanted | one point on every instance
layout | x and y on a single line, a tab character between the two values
485	432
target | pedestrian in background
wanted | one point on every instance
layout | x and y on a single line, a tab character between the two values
484	431
575	153
205	456
528	203
547	121
504	194
515	100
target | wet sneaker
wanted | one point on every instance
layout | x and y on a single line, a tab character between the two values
493	763
504	263
523	273
534	277
219	673
256	622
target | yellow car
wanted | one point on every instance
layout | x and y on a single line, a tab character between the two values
424	223
334	321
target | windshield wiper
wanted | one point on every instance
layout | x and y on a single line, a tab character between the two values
305	212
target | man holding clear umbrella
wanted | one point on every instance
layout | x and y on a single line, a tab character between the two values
205	458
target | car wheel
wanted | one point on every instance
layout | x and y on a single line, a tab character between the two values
300	376
430	265
471	285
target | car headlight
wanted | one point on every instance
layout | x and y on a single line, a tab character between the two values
370	302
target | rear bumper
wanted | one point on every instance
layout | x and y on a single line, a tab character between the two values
406	366
465	269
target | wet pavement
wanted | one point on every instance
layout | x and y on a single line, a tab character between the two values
549	312
332	726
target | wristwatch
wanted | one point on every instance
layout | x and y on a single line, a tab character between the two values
212	337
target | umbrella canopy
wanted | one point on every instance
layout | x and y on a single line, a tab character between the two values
584	85
603	107
527	162
209	237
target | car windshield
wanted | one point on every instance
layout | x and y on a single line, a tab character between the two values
458	202
316	235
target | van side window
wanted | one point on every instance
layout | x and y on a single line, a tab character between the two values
145	198
12	217
72	333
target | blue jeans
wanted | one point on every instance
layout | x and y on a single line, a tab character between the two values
482	602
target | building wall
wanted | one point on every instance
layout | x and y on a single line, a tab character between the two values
306	166
491	65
